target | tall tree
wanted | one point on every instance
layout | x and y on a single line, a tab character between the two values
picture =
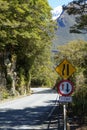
26	31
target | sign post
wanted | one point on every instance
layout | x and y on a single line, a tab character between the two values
65	120
65	87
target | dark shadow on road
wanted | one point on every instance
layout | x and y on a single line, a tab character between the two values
9	118
29	118
45	91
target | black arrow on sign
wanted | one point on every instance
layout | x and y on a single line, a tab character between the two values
65	68
67	88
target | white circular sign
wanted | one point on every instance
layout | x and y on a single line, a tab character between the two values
65	88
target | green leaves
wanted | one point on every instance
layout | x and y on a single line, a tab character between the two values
4	6
26	30
76	53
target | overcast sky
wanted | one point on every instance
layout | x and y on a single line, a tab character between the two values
55	3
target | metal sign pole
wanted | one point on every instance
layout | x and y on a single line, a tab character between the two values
65	120
65	87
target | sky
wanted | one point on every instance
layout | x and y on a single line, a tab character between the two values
55	3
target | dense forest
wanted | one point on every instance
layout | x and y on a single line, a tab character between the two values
76	53
26	32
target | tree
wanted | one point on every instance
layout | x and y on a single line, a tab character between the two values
26	31
76	53
43	73
79	9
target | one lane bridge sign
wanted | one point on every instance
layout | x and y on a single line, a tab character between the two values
65	69
65	88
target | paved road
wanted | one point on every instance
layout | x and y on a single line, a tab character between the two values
28	112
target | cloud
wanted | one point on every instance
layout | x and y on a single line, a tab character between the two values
56	12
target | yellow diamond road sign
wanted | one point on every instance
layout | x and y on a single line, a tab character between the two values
65	69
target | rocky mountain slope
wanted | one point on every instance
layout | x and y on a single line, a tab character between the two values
62	34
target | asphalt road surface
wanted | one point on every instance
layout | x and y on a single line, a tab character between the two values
28	113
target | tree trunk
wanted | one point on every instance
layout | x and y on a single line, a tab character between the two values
28	82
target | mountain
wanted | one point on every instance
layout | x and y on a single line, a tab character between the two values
56	12
62	34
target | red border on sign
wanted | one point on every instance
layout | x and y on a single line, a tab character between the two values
63	93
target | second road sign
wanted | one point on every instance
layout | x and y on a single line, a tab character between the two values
65	87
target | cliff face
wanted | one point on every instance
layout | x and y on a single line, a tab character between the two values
62	34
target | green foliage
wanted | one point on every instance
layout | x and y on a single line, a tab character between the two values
42	71
80	102
4	94
26	30
76	53
9	82
21	82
